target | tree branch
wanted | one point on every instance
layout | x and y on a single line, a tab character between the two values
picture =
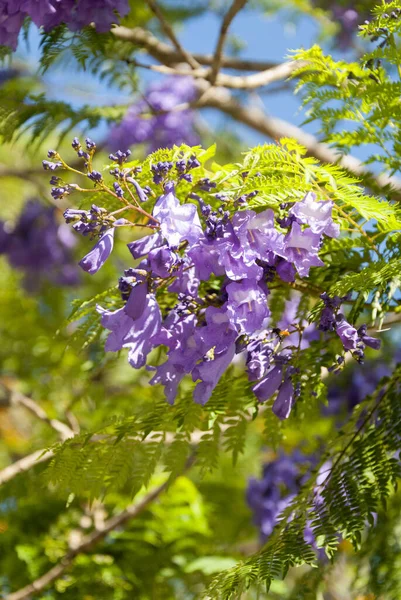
274	128
132	511
167	55
246	82
234	9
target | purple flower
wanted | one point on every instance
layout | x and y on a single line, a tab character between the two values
216	342
161	130
247	306
39	246
178	334
103	14
178	222
259	353
210	371
137	301
162	261
205	258
285	270
371	342
141	193
269	385
285	400
96	258
238	264
186	281
11	20
256	232
136	335
270	495
347	333
316	214
301	248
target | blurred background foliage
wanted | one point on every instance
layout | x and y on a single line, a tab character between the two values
203	524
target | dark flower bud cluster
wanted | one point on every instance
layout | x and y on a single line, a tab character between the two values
131	278
328	314
91	222
244	199
95	176
184	166
120	157
90	145
85	154
215	220
60	192
186	305
160	171
118	189
121	174
206	185
51	166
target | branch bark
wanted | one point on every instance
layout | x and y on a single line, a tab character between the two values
244	82
167	55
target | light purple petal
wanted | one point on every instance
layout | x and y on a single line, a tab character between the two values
95	259
347	334
269	385
137	301
210	373
285	400
141	247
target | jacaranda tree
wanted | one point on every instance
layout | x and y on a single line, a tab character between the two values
200	393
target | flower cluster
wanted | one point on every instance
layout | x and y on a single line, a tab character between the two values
39	246
48	14
218	264
167	126
280	482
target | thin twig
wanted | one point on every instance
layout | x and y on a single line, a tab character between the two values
132	511
168	30
234	9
